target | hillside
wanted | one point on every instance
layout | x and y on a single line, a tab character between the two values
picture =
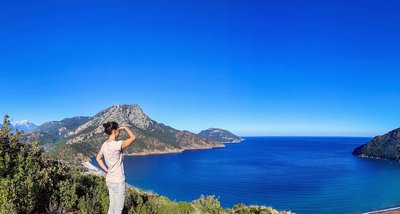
385	146
152	137
51	132
220	135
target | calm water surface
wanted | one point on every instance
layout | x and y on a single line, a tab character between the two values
302	174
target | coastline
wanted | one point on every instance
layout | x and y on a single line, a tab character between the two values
174	151
377	158
92	169
393	210
234	141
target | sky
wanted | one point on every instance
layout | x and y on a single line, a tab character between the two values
256	68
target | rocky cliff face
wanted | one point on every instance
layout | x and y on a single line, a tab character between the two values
152	137
220	135
385	146
122	114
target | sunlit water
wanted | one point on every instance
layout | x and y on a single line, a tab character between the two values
302	174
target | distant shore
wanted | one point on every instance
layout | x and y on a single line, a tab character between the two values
234	141
91	169
394	210
171	151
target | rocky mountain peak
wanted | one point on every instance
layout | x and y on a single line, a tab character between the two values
122	114
126	114
152	137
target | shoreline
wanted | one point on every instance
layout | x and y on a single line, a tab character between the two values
393	210
234	141
175	151
92	169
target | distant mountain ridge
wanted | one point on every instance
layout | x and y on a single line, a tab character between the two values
62	127
24	125
385	146
51	132
152	137
220	135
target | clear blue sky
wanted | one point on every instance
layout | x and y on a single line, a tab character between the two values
254	67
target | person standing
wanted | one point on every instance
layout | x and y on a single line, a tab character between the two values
113	155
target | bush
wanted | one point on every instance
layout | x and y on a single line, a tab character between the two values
208	204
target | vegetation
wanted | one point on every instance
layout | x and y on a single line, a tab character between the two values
220	135
385	146
32	183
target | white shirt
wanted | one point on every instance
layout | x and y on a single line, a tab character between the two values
114	159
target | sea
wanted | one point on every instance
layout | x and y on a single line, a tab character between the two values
301	174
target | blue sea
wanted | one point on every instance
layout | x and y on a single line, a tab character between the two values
301	174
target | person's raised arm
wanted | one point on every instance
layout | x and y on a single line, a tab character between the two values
132	137
99	159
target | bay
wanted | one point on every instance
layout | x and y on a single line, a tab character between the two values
302	174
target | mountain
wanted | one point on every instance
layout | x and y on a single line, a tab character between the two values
24	126
385	146
61	128
220	135
53	131
152	137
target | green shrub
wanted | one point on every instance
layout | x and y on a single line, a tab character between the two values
208	204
